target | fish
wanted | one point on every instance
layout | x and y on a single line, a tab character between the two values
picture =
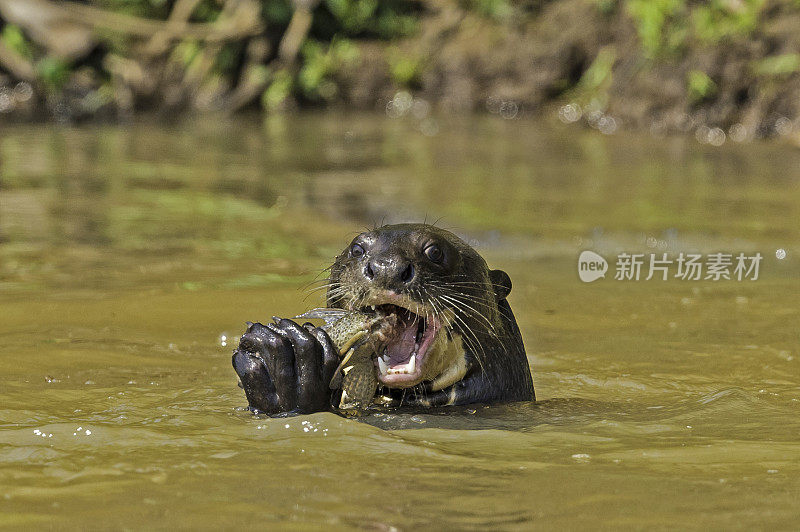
358	336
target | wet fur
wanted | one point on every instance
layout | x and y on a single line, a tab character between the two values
475	297
286	368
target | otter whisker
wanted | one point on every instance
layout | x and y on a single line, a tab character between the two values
476	288
472	342
321	284
473	299
318	288
460	306
468	302
332	292
477	283
463	305
482	283
315	280
458	300
465	331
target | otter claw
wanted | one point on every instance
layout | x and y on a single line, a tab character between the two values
251	343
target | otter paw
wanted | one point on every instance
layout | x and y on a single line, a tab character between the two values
285	368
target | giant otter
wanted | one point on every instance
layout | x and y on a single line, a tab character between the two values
457	341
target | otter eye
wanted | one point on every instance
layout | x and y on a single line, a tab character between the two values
434	253
356	251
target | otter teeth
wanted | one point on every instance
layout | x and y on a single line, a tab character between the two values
383	366
409	367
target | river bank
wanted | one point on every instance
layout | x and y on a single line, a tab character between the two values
728	69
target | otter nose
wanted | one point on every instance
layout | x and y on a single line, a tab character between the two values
389	272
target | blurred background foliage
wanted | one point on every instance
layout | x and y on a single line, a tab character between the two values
647	63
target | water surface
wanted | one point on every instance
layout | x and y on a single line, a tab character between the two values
130	255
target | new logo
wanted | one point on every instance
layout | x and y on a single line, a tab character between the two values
591	266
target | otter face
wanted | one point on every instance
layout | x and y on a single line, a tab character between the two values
437	290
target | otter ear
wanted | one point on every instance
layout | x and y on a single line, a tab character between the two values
501	283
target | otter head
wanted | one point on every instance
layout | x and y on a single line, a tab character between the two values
438	291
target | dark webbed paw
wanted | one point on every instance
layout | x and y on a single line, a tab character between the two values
285	367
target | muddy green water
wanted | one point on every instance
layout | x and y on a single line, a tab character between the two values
127	253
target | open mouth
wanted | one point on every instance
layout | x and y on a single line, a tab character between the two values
408	338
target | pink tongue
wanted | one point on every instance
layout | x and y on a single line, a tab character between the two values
400	351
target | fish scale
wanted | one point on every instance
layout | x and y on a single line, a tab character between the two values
358	337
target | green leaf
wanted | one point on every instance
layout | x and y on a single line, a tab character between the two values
700	86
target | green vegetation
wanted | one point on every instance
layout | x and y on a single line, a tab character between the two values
406	68
278	91
53	72
778	65
673	57
658	24
597	79
495	9
385	19
14	39
700	86
718	20
320	63
259	57
666	27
